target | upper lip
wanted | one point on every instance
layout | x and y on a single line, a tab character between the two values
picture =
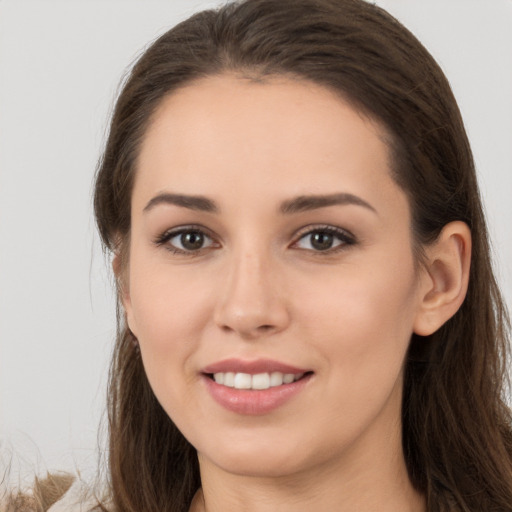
251	367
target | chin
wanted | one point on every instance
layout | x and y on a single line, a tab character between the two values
262	458
256	465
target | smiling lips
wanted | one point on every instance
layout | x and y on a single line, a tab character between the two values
253	387
257	381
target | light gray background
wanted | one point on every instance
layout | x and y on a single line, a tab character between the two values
60	63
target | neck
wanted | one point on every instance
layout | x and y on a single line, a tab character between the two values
378	481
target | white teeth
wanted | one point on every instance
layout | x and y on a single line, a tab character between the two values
288	378
261	381
229	379
276	379
243	381
257	381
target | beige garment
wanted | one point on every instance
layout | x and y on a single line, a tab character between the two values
76	499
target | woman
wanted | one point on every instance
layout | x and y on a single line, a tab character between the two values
287	188
308	315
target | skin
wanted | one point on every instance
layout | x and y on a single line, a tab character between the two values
258	288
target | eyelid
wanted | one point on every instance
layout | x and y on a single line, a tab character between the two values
346	237
164	238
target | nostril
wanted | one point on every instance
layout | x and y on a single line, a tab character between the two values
250	333
265	328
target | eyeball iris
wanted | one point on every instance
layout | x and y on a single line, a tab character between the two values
192	240
321	240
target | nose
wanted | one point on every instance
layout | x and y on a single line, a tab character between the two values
252	303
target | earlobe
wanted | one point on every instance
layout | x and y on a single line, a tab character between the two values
116	265
446	276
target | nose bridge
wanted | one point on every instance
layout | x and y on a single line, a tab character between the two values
251	302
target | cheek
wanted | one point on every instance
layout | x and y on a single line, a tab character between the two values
363	319
167	314
361	329
166	299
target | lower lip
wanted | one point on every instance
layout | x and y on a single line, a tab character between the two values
254	402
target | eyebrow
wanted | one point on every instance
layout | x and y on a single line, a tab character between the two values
312	202
199	203
296	205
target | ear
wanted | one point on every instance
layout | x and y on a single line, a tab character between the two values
123	286
445	278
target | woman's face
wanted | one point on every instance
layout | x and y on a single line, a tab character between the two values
270	249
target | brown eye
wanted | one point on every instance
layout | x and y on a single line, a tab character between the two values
190	241
324	239
321	241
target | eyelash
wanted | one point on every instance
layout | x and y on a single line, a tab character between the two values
167	236
345	238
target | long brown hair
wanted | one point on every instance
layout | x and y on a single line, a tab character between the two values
457	437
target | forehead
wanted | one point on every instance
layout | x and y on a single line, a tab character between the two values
227	133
